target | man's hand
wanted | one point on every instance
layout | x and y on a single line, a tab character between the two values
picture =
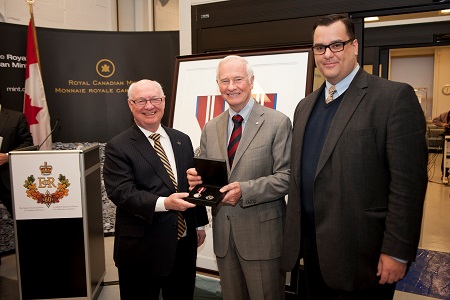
4	158
176	202
193	178
390	270
233	191
201	236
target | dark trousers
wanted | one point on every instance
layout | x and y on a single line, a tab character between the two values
316	288
135	282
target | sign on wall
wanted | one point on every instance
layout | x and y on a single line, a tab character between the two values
86	75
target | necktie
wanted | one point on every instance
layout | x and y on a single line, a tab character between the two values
235	137
162	155
331	92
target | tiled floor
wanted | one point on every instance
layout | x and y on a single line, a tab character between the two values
435	237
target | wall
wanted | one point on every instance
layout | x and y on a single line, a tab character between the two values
68	14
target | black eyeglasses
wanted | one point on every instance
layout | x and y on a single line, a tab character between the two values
334	47
141	102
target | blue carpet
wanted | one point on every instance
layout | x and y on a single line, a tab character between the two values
429	275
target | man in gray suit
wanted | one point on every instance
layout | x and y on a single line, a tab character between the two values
359	175
248	223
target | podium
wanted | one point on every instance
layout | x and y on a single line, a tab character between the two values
58	221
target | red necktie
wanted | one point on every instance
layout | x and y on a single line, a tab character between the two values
235	138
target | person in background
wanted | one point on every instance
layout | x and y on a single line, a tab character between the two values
14	134
156	236
358	175
443	121
248	223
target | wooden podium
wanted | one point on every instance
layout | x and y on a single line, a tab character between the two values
58	223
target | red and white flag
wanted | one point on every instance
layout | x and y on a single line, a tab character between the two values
35	104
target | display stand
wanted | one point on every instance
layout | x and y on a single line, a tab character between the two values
58	223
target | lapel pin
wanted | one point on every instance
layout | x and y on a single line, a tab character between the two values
179	143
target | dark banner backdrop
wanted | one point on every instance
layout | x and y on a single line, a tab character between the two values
86	75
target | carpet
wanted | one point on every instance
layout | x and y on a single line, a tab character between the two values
429	275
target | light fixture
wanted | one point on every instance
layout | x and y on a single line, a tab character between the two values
445	11
371	19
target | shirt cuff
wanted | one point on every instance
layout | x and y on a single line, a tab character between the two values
400	260
160	204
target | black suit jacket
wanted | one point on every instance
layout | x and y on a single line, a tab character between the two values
134	179
16	134
370	182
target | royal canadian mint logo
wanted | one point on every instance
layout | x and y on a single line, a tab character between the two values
44	190
105	68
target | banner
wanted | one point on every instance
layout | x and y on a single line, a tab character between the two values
87	75
35	104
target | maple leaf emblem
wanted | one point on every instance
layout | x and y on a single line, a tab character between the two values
31	111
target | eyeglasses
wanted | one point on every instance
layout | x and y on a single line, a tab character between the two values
141	102
334	47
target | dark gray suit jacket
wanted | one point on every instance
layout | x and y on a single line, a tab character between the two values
16	134
134	179
370	182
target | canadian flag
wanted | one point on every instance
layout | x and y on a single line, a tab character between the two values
35	105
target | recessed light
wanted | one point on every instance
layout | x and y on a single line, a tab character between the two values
371	19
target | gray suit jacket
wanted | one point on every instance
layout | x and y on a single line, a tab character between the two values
261	165
370	182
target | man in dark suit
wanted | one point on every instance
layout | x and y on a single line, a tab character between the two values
147	252
15	135
358	175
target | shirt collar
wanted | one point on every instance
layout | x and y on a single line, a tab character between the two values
160	130
343	85
245	112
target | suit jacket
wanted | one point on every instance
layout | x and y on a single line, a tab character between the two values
261	165
134	179
369	185
16	134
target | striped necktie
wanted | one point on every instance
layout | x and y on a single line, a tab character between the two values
162	155
235	138
331	92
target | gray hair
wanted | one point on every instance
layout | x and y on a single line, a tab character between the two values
148	81
239	58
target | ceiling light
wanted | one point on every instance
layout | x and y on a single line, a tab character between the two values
371	19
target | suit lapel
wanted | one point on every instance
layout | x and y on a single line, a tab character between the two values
254	122
301	117
222	135
353	96
143	146
177	148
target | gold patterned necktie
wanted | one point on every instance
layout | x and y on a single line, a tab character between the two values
331	92
162	155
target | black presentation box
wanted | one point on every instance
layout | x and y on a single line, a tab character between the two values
214	176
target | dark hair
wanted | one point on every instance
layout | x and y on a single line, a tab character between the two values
333	18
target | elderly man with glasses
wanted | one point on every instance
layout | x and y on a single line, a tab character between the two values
156	233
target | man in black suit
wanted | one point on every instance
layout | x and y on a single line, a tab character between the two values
147	252
15	134
358	175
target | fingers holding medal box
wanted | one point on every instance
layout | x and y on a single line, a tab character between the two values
214	176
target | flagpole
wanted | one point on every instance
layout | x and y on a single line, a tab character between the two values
33	26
